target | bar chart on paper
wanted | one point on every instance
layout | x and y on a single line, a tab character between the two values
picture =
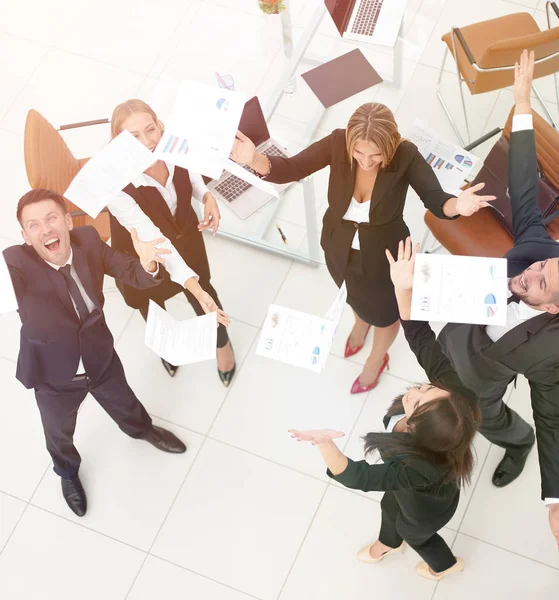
176	145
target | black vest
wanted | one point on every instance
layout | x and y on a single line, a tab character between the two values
181	230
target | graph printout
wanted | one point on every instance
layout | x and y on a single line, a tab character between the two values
450	163
460	289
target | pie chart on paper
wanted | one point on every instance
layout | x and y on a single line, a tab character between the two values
490	307
222	104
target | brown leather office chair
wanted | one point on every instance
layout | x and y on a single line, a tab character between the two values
483	234
50	164
485	54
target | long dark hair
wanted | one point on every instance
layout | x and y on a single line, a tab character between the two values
439	432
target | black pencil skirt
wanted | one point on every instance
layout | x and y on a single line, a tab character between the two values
372	299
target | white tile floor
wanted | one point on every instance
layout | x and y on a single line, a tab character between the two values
245	513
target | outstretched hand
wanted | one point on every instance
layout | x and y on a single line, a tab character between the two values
401	270
315	436
468	202
523	76
243	149
148	252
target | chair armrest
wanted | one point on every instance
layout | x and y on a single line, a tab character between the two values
483	138
465	46
83	124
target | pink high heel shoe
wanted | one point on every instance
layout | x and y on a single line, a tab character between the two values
357	388
349	351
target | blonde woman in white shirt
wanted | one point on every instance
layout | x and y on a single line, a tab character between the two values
158	204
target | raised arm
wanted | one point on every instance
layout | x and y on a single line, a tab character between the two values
523	166
420	336
277	169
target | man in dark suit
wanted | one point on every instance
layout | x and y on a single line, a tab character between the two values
488	358
66	350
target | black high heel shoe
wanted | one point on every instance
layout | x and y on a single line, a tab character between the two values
227	376
171	369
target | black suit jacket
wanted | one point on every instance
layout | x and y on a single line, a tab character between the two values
426	501
52	338
386	225
531	348
181	230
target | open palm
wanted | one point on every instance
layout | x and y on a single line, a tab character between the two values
401	270
315	436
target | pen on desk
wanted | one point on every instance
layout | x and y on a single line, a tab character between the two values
284	239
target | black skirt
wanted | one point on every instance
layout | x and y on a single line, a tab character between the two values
372	298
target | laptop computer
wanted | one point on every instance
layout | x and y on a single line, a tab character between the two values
372	21
241	197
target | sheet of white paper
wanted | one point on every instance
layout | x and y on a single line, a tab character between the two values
108	172
334	313
450	163
181	342
460	289
8	301
247	176
201	129
300	339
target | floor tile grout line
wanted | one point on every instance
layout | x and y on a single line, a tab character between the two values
27	504
179	490
539	562
328	485
182	567
31	75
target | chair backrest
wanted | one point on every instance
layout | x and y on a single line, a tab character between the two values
50	164
506	52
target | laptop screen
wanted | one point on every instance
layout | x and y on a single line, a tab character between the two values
340	11
253	124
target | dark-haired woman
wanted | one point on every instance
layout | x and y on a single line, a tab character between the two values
426	450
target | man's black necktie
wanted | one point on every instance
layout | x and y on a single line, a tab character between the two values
74	291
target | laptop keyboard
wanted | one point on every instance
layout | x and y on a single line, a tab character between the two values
366	18
232	187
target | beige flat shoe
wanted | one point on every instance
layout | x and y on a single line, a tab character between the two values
364	556
423	570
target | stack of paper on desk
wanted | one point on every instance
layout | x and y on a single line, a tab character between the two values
201	130
181	342
460	289
300	339
8	301
108	172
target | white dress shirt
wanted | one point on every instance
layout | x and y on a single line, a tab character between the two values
359	213
131	216
520	312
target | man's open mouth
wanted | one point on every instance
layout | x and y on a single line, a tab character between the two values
52	244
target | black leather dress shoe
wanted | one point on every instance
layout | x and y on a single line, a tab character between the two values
171	369
164	440
227	377
74	494
509	469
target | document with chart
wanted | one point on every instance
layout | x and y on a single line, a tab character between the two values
8	301
460	289
108	172
450	163
201	129
300	339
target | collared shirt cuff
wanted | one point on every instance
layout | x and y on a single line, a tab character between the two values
392	423
181	273
522	122
153	273
549	501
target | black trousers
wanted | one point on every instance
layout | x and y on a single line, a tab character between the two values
427	543
59	410
504	427
222	336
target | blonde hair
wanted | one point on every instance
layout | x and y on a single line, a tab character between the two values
124	110
373	123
